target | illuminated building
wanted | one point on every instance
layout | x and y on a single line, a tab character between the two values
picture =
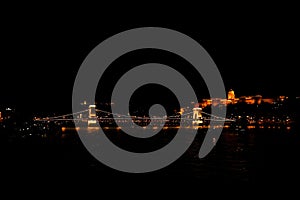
231	95
257	99
214	102
181	111
247	100
84	103
282	98
269	100
231	99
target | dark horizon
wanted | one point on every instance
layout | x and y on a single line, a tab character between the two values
42	59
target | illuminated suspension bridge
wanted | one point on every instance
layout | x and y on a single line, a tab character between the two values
92	116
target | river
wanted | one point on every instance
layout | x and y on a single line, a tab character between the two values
253	156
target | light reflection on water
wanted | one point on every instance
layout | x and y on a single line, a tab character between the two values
252	155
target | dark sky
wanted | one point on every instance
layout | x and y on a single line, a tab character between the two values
41	53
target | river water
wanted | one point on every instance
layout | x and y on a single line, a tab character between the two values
256	155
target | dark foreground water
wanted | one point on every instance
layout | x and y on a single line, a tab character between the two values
255	156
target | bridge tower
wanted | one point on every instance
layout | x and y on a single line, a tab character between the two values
197	116
92	111
92	120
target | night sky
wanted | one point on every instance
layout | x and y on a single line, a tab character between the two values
41	54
